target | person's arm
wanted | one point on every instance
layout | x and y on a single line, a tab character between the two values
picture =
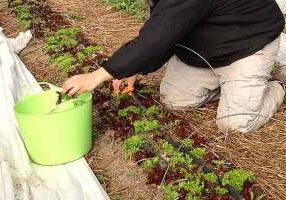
79	84
169	22
167	25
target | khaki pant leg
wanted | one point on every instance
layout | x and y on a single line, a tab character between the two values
186	86
248	100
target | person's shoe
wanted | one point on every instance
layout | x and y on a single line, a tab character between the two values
280	76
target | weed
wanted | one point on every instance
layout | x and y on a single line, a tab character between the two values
120	97
142	126
236	178
26	23
80	57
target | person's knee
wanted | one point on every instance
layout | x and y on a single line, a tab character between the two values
236	123
177	99
242	122
235	114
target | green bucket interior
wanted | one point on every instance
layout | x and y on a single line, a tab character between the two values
44	102
53	138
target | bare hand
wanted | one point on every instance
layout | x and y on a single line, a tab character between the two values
130	85
81	83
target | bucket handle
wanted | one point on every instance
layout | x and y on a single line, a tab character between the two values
69	101
51	87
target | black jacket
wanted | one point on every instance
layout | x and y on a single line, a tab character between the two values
222	31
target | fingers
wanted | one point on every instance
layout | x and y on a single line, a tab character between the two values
81	83
116	86
131	81
70	84
130	85
73	91
67	87
79	92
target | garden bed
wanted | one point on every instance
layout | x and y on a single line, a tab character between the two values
177	172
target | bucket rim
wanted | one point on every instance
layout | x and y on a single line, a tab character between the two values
52	113
86	101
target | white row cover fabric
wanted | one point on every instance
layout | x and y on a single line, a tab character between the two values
19	178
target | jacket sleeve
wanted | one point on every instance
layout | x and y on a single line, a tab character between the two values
167	25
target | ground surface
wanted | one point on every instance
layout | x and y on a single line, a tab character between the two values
263	152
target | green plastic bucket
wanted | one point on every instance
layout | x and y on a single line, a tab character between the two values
55	134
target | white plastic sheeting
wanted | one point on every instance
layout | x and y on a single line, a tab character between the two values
19	178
